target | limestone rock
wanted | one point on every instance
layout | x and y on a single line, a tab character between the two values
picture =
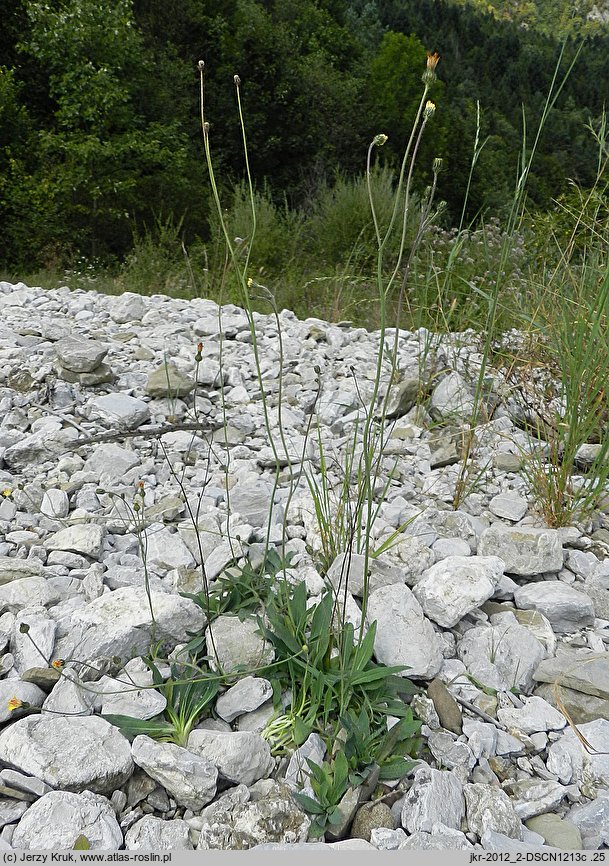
525	550
241	757
72	753
403	635
457	585
189	778
57	820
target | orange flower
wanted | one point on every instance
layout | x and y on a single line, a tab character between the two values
58	664
14	704
432	60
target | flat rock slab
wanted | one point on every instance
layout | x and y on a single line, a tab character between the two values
566	609
168	381
526	551
120	410
436	796
73	753
57	820
84	538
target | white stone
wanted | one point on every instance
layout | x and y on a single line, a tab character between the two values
120	410
55	503
454	587
525	550
435	796
241	757
73	753
244	697
403	635
57	819
154	834
84	538
189	778
566	608
536	715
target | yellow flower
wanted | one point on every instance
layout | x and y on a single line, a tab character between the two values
7	492
58	664
14	704
429	110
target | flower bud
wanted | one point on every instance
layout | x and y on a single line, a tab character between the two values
429	110
437	165
237	80
379	140
201	65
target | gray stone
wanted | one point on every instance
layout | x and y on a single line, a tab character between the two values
154	834
493	841
452	396
71	753
189	778
110	462
21	782
387	840
448	710
55	822
454	587
274	818
501	656
244	697
239	644
37	448
403	635
571	762
489	808
435	797
241	757
80	355
402	397
509	506
55	503
450	753
168	381
15	569
165	550
128	307
567	609
84	538
580	670
557	832
536	715
580	707
252	501
120	623
34	647
441	838
532	797
525	550
592	821
27	592
120	410
297	772
132	693
596	587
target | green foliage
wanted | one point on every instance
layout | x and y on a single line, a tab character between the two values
327	669
330	782
242	589
189	697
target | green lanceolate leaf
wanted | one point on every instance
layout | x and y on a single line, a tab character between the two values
308	804
131	727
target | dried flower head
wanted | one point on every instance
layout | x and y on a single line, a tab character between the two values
432	60
429	76
198	355
237	80
437	165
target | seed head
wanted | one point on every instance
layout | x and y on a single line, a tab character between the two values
237	80
437	165
201	65
429	110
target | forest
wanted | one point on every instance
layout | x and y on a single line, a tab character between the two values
101	160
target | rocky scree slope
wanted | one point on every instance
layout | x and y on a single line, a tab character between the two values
485	606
